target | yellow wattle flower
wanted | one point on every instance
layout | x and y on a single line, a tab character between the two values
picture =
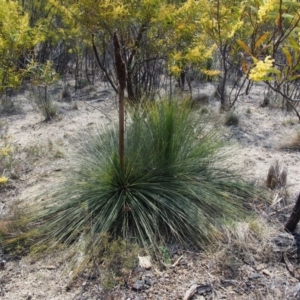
268	6
177	56
261	70
5	151
211	72
175	70
3	180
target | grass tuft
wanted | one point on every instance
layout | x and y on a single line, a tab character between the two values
231	119
293	144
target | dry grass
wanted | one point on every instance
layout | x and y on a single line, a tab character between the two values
249	255
66	94
247	249
293	144
247	241
289	122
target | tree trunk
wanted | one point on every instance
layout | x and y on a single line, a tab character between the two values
130	92
291	224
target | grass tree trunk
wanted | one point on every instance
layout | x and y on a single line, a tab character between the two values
122	77
294	218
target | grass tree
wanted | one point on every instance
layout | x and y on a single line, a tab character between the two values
173	186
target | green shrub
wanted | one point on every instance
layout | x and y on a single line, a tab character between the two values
9	106
42	102
6	157
172	187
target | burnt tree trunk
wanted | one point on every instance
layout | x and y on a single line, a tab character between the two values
291	224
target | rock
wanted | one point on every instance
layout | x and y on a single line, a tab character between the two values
2	264
297	289
254	276
138	285
229	282
202	289
148	281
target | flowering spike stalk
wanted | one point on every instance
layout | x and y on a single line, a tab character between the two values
122	77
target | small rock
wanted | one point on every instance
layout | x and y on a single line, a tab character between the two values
202	289
148	280
2	264
254	276
138	285
297	289
228	282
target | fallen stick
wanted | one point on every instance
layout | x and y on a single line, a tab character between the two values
190	292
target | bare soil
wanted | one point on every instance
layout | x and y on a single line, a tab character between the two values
245	265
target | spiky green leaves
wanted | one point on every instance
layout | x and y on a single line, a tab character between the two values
171	187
